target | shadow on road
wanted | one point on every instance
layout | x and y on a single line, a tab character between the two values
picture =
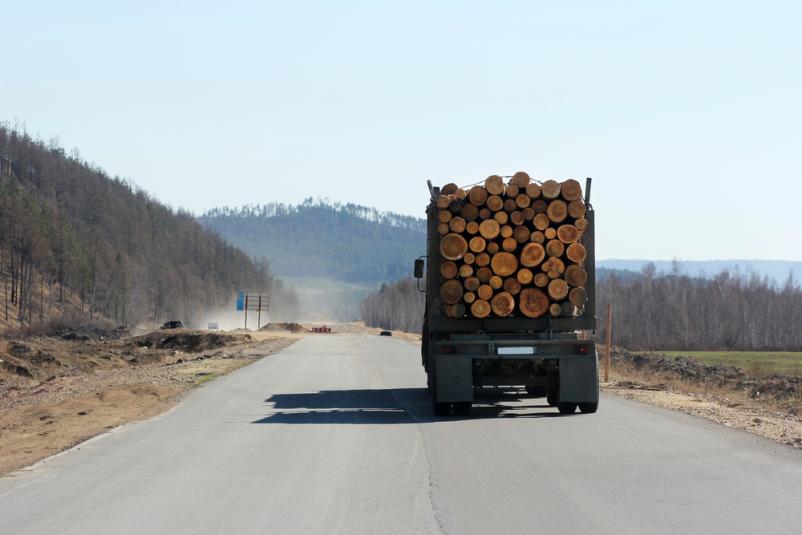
387	406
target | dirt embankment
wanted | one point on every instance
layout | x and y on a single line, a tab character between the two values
768	406
58	391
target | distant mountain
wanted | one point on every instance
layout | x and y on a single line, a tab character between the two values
777	270
320	240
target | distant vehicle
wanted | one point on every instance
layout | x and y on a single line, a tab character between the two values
386	333
175	324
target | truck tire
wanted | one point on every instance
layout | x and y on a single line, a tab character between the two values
551	398
440	409
462	408
566	408
588	408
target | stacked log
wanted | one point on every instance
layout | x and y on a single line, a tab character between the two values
512	248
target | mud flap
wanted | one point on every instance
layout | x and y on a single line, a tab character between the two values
579	379
454	378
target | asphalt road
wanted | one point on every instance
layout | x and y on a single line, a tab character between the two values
334	435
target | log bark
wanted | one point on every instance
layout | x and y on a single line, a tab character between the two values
533	190
448	270
532	254
504	264
524	276
557	211
469	212
480	308
541	280
477	196
576	209
494	185
457	224
532	302
567	233
484	274
576	253
558	289
555	248
571	190
520	179
502	304
477	244
489	229
509	244
521	234
495	203
495	282
512	285
578	297
575	276
451	291
550	189
485	292
465	271
453	246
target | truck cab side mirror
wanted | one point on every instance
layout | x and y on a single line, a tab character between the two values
419	268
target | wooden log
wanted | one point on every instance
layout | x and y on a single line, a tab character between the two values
581	224
575	276
477	196
485	292
523	201
471	283
550	189
517	217
521	234
532	302
457	224
537	237
509	244
576	209
443	229
541	280
493	248
558	289
533	190
444	216
578	297
469	212
485	213
541	222
449	189
567	234
465	271
484	274
550	233
460	194
512	190
571	190
489	229
443	201
469	297
568	309
495	203
477	244
468	258
451	291
532	254
453	246
494	185
454	206
504	264
448	269
501	218
529	214
471	227
510	206
524	275
539	206
495	282
553	267
506	231
576	253
555	248
480	308
520	179
502	304
512	286
482	259
557	211
457	310
555	309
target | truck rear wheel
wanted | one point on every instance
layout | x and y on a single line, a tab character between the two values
462	408
588	408
566	408
440	409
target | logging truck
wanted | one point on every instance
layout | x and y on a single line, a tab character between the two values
510	293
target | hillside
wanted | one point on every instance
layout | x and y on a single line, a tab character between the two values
347	243
776	270
98	246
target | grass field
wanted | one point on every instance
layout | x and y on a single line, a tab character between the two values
757	363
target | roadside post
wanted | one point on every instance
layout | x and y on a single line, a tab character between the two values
254	301
609	342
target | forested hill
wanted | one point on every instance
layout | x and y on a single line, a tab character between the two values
317	239
74	240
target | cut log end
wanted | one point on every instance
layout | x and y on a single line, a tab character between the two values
532	302
502	304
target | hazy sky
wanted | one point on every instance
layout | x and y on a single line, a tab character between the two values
687	114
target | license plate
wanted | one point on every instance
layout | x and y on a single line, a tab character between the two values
527	350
